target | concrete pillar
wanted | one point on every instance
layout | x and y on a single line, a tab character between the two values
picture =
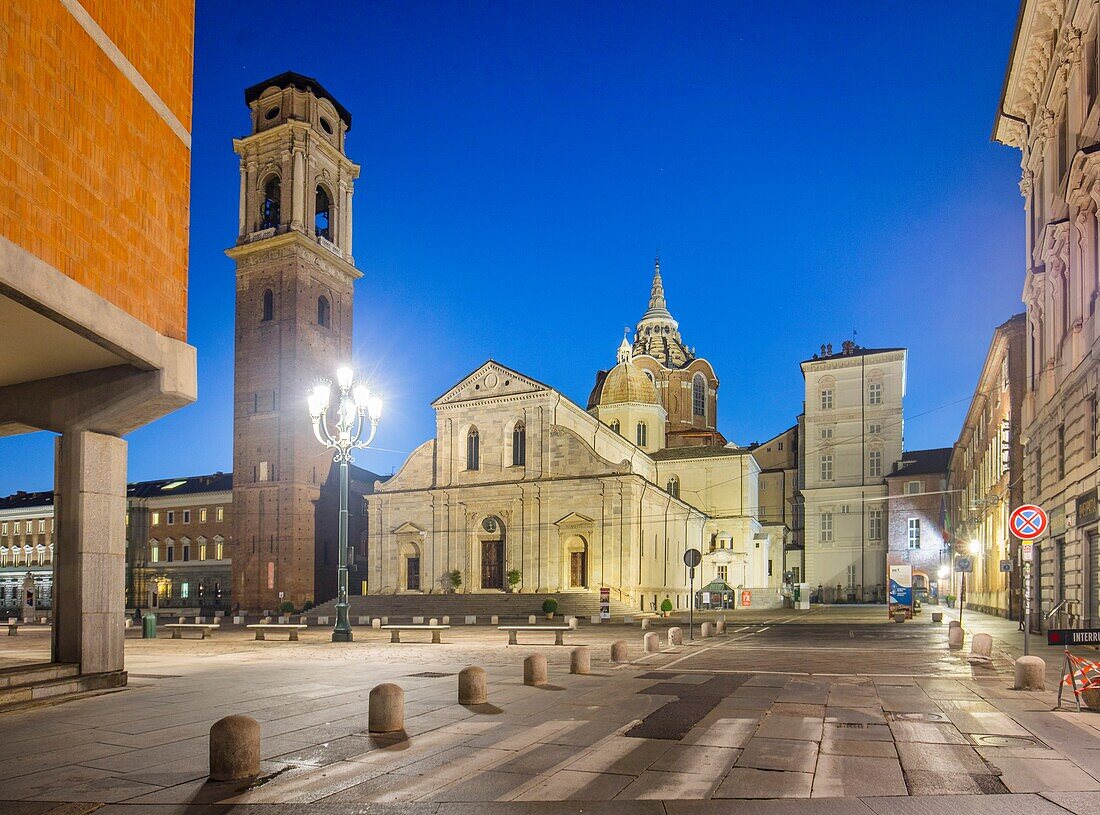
618	651
706	631
1030	674
675	636
534	670
954	624
90	551
651	642
472	686
234	749
375	623
386	708
955	637
937	616
580	660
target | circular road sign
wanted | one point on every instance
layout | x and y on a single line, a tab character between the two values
693	557
1028	522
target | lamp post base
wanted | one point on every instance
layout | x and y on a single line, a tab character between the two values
341	632
341	635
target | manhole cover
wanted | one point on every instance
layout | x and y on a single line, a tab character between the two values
995	740
429	675
898	716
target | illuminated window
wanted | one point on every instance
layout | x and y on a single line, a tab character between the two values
914	533
218	550
154	551
202	515
220	513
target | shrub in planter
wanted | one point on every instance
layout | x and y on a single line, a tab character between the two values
286	607
514	577
456	580
666	607
549	606
950	599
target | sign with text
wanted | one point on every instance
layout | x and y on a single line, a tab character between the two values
605	603
901	585
746	598
1086	508
1073	636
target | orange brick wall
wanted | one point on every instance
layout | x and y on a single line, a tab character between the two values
92	180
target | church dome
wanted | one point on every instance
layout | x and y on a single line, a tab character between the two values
627	383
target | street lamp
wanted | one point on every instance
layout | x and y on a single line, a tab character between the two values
356	405
975	547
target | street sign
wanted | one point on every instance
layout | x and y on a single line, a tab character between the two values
693	557
1027	550
1006	565
964	565
1073	636
746	598
1028	522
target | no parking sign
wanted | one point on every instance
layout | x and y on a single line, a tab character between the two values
1028	522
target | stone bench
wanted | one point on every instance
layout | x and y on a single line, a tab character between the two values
204	629
513	630
395	631
262	629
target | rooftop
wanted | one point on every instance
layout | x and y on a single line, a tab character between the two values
290	79
922	462
704	451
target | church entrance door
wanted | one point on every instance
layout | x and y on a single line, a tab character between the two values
412	573
578	570
492	564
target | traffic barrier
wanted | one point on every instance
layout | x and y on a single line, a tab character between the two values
386	708
234	748
472	688
618	651
580	660
1081	675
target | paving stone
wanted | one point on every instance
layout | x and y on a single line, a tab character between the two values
963	805
839	776
484	786
722	733
697	759
776	806
941	758
790	727
854	731
575	785
779	754
927	782
653	784
1027	775
748	782
851	747
816	711
854	715
1080	803
928	732
622	755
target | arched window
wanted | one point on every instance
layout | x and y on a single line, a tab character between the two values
698	396
643	434
615	426
324	312
473	450
3	556
673	486
519	445
322	222
268	306
269	209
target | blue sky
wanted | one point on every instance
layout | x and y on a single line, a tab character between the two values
803	175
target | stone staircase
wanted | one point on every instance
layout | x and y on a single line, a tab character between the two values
30	685
402	607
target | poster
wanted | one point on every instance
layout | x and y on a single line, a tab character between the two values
605	603
901	585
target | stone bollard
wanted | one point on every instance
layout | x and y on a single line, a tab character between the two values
628	619
283	619
937	616
375	623
645	623
720	627
386	708
471	619
534	670
580	660
955	637
899	616
531	619
572	623
471	686
234	748
954	624
238	619
446	620
433	621
595	619
322	621
364	621
180	620
706	631
618	651
418	621
651	643
494	620
385	620
675	636
981	648
1030	674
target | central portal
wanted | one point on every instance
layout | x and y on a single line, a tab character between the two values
492	564
578	571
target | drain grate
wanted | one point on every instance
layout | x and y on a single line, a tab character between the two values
997	740
429	675
851	725
899	716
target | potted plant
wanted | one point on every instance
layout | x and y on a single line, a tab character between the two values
456	580
549	606
666	607
513	579
286	607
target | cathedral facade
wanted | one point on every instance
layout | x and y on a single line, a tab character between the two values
519	479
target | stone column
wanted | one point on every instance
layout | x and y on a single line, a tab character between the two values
299	188
89	572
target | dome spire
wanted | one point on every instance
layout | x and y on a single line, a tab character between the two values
657	293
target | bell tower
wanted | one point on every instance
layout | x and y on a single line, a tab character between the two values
295	276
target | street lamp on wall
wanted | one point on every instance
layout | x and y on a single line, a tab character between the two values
357	408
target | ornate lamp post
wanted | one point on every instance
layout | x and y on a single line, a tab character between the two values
357	405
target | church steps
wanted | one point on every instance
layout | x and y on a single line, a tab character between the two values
509	606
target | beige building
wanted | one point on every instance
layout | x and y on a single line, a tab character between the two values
851	434
1050	110
986	476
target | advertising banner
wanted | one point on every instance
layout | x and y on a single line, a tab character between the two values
901	585
605	603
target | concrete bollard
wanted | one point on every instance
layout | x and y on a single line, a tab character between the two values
618	651
238	619
651	643
937	616
954	624
1030	674
494	620
234	748
471	686
595	619
580	660
645	623
572	623
265	621
675	636
364	621
180	620
375	623
385	620
386	708
706	631
534	670
446	620
898	616
471	619
955	637
531	619
720	627
981	648
433	621
418	621
283	619
322	621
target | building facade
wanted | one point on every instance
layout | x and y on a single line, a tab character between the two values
26	551
916	518
94	202
851	433
986	478
1049	111
781	509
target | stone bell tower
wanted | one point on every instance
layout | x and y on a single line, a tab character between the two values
295	277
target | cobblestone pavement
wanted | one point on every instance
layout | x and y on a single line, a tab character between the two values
829	704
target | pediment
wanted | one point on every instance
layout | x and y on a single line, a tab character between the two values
574	519
408	528
490	381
